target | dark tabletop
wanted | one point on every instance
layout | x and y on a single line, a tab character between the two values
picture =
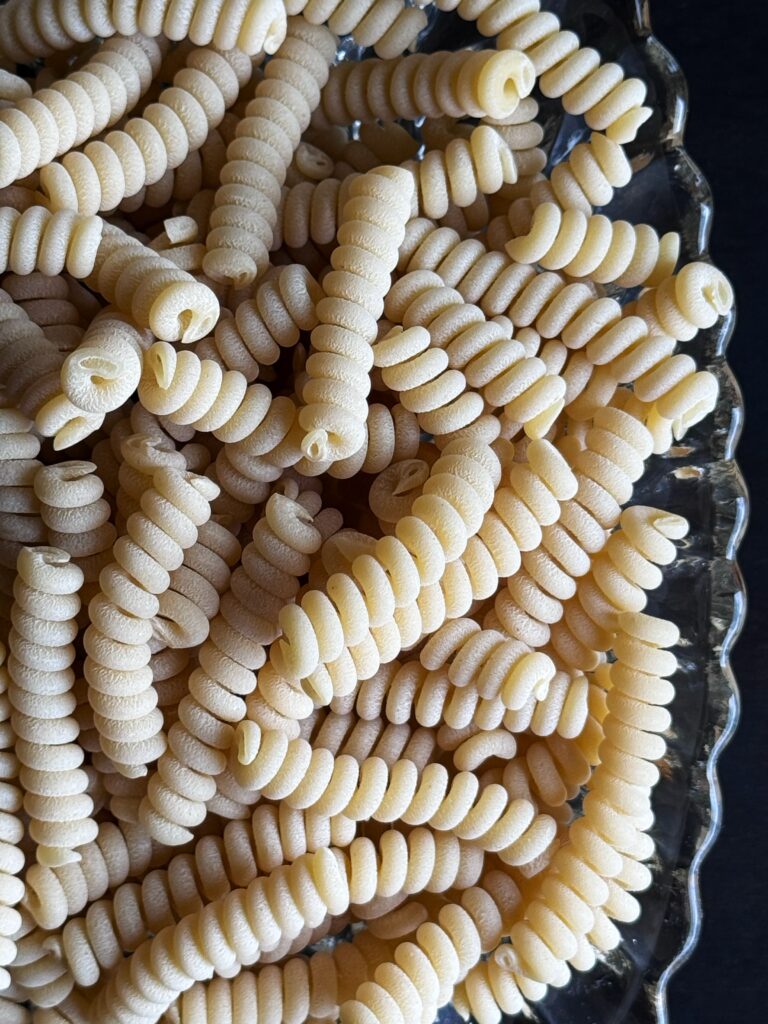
721	49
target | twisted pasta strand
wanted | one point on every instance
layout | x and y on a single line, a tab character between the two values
20	521
156	294
282	307
97	378
493	362
467	169
52	121
590	879
595	247
246	923
29	360
39	29
11	831
77	515
462	83
107	171
389	26
50	242
290	530
617	581
60	305
564	69
338	382
244	215
119	680
41	654
589	175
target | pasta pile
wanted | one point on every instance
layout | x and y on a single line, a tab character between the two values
323	589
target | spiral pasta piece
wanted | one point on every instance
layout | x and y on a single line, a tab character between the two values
282	307
589	175
77	516
389	26
60	305
618	579
249	921
493	362
152	146
338	382
29	360
244	215
565	70
11	830
119	852
685	303
20	521
465	170
50	242
290	530
595	247
151	289
331	641
590	878
41	654
94	97
116	666
98	377
462	83
39	29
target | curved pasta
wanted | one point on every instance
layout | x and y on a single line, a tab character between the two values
156	294
338	383
11	830
389	26
20	521
99	376
466	169
617	581
60	305
77	516
41	654
39	29
107	171
595	247
591	878
52	894
242	222
331	641
461	83
290	530
565	70
589	175
492	361
50	242
256	919
281	308
116	642
29	360
52	121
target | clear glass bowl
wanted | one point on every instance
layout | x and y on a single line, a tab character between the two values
703	591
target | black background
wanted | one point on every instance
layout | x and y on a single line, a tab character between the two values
721	48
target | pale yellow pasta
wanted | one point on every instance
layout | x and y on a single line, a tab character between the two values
241	225
60	305
151	289
564	68
116	642
335	393
77	516
595	247
281	308
41	654
463	83
106	172
11	830
29	360
291	529
20	521
40	240
94	97
38	29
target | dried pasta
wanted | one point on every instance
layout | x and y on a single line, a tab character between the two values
334	695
